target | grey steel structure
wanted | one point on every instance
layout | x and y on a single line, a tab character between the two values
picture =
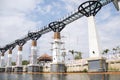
72	17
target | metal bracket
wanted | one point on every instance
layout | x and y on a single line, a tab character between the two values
34	35
56	26
3	50
11	46
89	8
20	42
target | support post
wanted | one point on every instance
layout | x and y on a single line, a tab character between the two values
9	61
57	65
117	4
33	66
2	63
96	62
19	67
94	48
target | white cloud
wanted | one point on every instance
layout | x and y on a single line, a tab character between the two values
44	9
13	21
17	26
19	5
72	5
109	31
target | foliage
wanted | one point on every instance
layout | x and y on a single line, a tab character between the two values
105	51
77	55
85	70
113	69
13	63
25	62
114	50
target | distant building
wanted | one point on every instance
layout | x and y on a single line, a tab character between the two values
45	58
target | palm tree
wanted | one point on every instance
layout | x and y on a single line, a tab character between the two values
72	52
114	50
78	56
105	51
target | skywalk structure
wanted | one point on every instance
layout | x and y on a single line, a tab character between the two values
88	9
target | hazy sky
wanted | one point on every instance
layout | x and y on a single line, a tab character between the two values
17	17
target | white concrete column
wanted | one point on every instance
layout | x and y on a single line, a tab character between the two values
9	61
2	63
56	48
33	57
94	49
119	4
19	56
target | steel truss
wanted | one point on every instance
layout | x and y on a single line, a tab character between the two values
69	19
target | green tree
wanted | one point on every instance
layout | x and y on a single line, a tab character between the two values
13	63
106	51
25	62
72	52
78	55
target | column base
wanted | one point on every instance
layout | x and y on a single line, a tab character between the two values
97	65
2	69
34	68
8	69
18	69
58	67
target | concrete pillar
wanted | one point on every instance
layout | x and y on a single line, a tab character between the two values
2	63
94	48
117	4
19	56
56	48
57	64
18	67
9	62
33	66
95	63
33	57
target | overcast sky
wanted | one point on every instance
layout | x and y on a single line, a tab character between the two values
17	17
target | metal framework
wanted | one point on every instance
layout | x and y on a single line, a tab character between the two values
34	35
20	42
3	50
70	18
89	8
11	46
56	26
